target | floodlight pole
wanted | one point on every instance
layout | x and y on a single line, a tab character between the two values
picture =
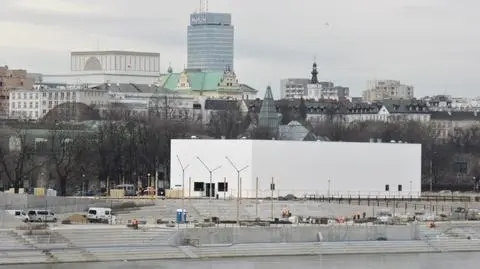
239	192
210	171
183	188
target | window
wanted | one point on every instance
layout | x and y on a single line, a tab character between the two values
36	104
387	187
460	167
198	186
223	186
13	105
31	104
400	187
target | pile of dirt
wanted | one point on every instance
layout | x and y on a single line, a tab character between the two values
77	219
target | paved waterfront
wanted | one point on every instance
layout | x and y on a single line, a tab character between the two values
416	261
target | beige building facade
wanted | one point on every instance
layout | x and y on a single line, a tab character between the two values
11	79
378	90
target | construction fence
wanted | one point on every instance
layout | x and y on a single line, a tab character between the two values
297	234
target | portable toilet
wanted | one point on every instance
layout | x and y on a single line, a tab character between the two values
181	216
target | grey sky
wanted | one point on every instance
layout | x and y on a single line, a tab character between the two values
432	44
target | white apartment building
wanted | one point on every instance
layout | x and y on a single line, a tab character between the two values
138	98
293	88
378	90
312	89
34	104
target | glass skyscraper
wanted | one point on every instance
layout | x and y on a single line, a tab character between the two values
210	41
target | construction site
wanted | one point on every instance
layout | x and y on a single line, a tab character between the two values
239	228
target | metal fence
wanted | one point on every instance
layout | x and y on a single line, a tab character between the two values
60	205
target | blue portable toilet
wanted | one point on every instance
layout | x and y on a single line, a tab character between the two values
180	218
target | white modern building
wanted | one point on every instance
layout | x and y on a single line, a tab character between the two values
96	67
298	168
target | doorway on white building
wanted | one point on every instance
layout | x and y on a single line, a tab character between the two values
209	189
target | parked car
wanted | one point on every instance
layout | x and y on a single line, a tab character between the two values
41	215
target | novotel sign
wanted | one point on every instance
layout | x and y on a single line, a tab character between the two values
198	19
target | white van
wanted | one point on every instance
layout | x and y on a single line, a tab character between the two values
99	214
19	214
41	215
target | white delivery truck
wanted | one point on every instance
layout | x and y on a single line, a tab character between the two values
100	215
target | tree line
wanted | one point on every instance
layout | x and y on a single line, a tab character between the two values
127	148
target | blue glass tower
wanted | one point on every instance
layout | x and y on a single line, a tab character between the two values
210	41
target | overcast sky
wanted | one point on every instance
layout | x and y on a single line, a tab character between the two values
431	44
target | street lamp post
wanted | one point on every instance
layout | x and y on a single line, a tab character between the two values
210	192
239	193
183	187
410	189
83	185
474	178
328	193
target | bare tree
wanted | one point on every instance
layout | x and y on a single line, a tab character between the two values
70	152
228	123
18	160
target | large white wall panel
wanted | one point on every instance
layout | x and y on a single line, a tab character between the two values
302	168
213	153
352	168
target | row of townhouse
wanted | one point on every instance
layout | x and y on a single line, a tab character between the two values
444	122
35	104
